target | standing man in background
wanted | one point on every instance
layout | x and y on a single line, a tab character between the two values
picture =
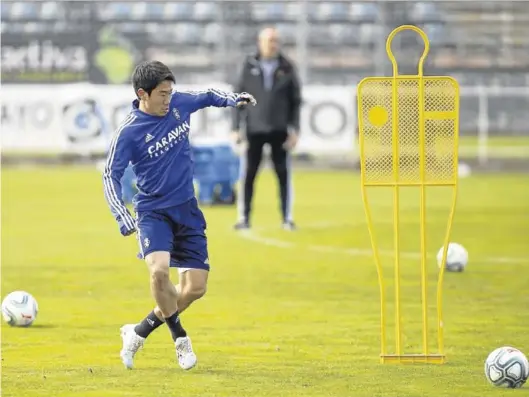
275	121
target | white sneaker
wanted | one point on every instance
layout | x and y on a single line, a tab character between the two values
289	225
132	342
184	352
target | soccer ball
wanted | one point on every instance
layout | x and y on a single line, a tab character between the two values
507	367
19	309
456	258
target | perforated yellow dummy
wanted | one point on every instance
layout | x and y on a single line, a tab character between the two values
408	126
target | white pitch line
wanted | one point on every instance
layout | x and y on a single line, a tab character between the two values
254	236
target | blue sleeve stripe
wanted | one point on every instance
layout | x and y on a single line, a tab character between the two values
113	198
223	94
193	92
217	92
110	190
109	187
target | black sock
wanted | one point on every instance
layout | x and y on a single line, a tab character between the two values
174	324
148	324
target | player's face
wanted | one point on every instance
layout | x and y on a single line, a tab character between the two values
158	102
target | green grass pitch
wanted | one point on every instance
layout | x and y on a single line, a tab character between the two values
286	314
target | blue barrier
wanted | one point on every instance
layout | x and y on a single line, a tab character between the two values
128	185
216	171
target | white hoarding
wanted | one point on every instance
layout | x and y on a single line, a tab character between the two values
81	117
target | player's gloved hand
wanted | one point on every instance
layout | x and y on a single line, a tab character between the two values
244	99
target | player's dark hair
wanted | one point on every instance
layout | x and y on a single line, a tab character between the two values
149	74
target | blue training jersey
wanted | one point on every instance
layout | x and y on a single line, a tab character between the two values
159	150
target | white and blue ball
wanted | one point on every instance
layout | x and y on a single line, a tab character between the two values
507	367
19	309
456	258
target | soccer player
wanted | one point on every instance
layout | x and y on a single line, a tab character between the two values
170	227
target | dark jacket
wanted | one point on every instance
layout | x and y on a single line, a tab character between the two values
277	109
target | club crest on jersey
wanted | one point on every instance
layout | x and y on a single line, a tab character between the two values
176	113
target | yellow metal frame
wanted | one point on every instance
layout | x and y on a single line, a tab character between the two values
399	356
